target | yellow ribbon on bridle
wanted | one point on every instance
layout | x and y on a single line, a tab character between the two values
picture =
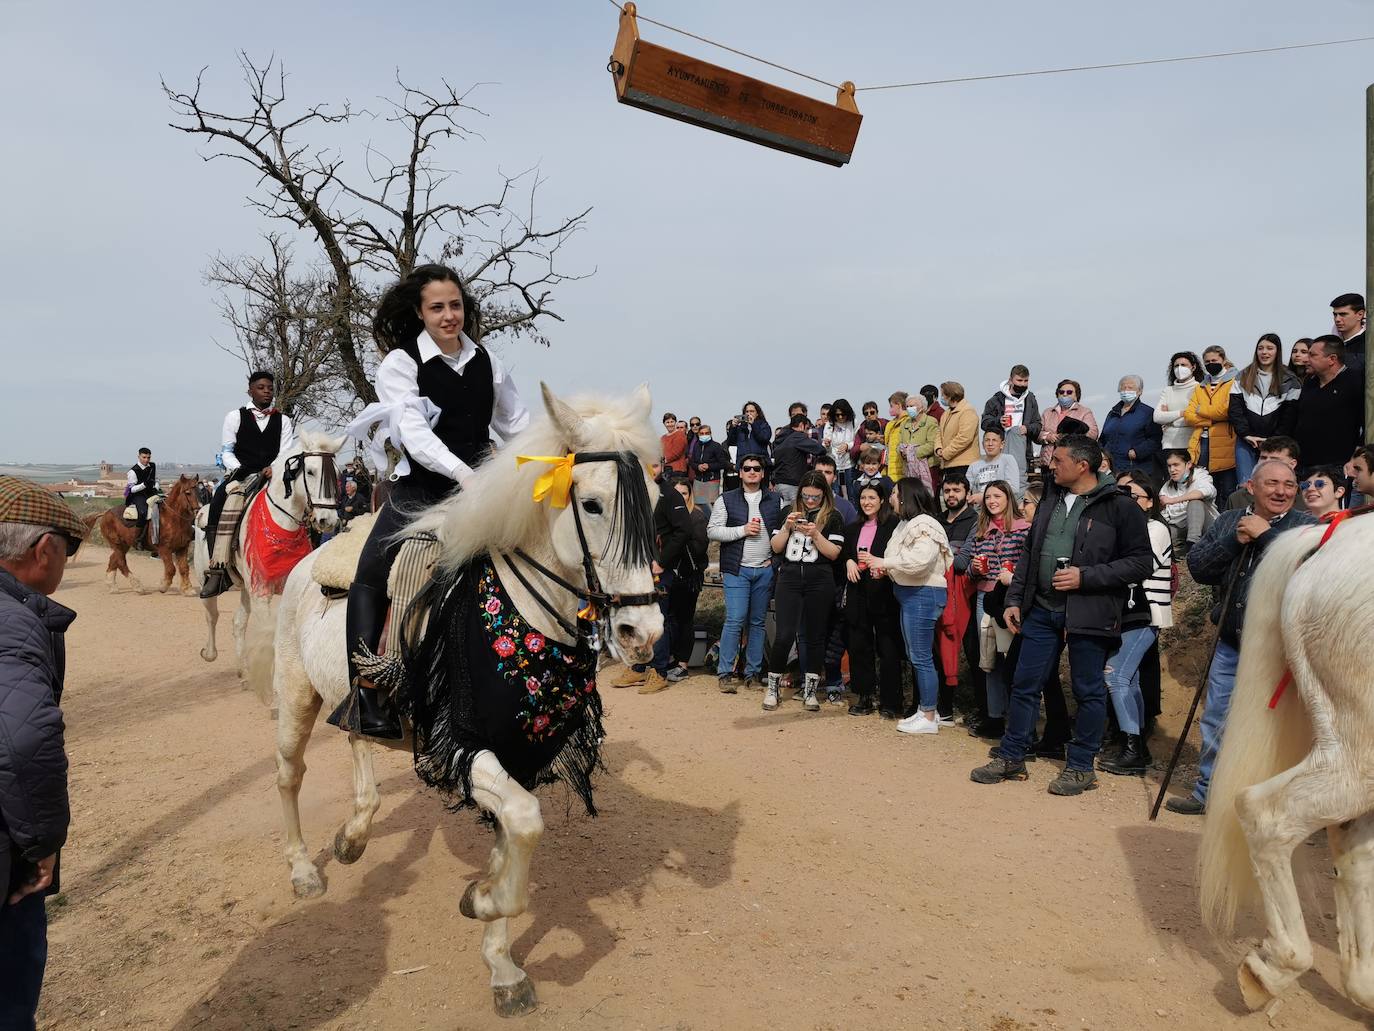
556	483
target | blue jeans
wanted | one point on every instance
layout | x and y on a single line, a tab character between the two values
1042	630
1123	677
23	955
1220	682
1246	457
663	647
746	599
996	678
920	611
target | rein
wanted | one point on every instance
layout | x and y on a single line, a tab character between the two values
597	598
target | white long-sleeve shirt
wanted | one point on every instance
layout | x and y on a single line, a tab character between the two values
132	480
398	381
229	434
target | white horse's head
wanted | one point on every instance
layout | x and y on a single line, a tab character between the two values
305	485
612	497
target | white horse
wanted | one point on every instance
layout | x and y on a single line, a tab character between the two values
301	492
1308	763
493	515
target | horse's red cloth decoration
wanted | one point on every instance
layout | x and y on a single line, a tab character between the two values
1333	520
270	551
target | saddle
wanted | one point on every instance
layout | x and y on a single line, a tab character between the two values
130	513
336	561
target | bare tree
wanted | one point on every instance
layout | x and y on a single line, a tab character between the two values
394	215
281	319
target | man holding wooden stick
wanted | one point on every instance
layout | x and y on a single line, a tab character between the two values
1228	553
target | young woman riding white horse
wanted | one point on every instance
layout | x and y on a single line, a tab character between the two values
502	690
441	394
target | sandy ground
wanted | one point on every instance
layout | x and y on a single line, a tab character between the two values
748	870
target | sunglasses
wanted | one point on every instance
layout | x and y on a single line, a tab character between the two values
751	468
1315	484
73	543
814	499
1067	393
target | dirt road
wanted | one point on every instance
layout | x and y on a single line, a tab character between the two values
748	870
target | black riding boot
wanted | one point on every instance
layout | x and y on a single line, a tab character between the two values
1133	761
367	710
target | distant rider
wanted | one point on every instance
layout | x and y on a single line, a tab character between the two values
252	438
141	487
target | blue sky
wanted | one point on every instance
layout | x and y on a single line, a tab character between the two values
1085	224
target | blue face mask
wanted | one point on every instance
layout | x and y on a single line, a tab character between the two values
912	412
1066	402
705	438
1129	397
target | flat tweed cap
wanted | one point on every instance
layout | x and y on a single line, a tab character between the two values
23	501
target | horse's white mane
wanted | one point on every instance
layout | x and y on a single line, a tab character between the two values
495	510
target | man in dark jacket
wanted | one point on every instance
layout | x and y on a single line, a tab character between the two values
1330	420
1014	410
1130	435
1089	542
673	531
38	533
1229	552
793	454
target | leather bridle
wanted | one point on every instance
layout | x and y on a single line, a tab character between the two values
597	598
294	468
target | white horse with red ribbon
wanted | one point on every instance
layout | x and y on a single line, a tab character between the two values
274	533
1298	756
517	579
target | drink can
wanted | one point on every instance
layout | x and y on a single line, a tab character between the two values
1062	562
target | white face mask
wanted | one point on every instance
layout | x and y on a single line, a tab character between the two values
1183	372
1128	397
913	412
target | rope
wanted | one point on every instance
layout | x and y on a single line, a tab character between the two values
1001	75
722	46
1120	64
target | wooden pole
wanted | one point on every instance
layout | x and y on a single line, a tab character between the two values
1369	254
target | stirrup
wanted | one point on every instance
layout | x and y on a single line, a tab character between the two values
217	581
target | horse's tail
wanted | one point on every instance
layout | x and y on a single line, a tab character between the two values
1259	742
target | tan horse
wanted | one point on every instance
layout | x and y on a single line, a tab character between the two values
176	528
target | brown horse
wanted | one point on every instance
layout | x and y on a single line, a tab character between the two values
175	530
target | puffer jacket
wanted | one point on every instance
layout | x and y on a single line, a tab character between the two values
1210	410
34	812
1265	415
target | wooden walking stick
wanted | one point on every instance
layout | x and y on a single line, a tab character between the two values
1202	683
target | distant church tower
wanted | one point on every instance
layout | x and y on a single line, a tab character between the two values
107	471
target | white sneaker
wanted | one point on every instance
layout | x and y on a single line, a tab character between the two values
946	721
918	724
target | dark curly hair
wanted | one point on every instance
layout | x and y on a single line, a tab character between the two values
398	322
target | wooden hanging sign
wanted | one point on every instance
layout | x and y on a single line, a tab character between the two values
657	79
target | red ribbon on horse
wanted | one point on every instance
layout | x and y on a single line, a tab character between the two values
270	550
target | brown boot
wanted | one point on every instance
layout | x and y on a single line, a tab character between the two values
654	682
629	678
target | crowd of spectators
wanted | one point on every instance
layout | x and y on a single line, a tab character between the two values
1009	538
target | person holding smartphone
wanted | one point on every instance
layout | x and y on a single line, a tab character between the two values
807	545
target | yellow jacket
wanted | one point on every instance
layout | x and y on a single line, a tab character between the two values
1208	409
894	460
958	436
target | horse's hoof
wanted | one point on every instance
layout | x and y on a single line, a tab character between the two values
515	1000
346	851
467	906
208	656
308	886
1252	989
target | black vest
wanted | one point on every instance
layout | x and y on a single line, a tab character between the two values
254	448
465	401
147	476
